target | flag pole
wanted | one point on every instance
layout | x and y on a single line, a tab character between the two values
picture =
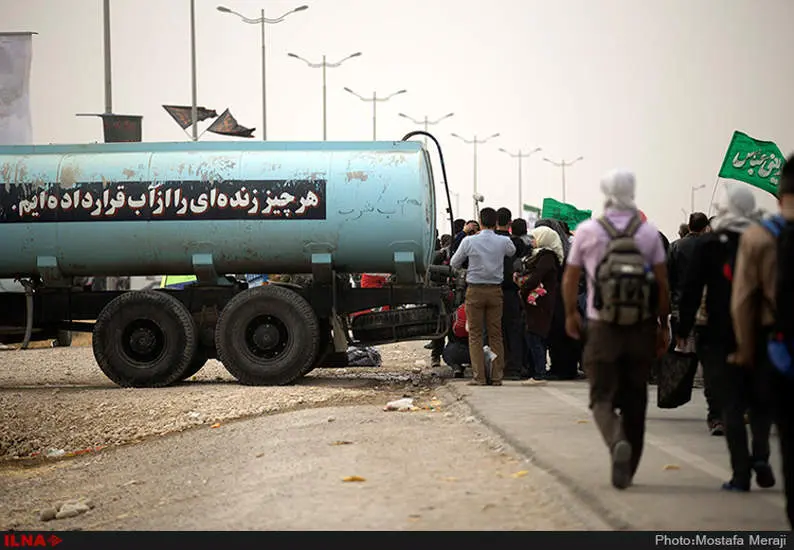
713	194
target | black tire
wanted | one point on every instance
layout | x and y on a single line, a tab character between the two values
325	346
199	360
145	339
64	339
267	336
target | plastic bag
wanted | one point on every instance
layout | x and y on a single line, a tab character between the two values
675	378
363	357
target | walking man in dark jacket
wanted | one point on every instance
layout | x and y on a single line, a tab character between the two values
678	263
711	268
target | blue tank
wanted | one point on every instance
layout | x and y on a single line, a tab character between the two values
126	209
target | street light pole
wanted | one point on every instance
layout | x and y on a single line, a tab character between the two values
563	165
108	87
474	141
692	203
426	122
375	99
194	105
262	20
521	155
324	65
264	77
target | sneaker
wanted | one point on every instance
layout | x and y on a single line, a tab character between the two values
733	487
435	362
458	373
764	476
429	345
534	382
621	465
716	428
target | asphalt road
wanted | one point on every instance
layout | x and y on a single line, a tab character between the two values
678	483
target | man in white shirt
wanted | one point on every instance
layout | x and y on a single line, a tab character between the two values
485	252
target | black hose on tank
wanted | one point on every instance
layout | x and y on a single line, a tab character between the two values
443	173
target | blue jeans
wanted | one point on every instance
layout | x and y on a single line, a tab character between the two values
536	349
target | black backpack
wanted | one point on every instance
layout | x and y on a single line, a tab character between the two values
624	287
780	347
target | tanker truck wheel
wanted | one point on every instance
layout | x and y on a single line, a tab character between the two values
267	336
199	360
145	339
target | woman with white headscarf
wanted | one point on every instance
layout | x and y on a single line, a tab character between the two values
538	280
732	386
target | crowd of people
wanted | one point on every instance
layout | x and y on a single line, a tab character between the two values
608	302
531	328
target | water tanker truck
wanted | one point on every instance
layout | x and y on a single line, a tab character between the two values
324	210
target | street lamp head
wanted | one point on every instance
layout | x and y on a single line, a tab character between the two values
494	136
224	9
293	55
580	158
401	92
502	149
548	160
355	54
453	134
301	8
402	115
348	90
449	115
537	150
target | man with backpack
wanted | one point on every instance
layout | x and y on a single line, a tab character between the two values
734	389
627	311
762	307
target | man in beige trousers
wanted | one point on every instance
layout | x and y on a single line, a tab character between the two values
486	252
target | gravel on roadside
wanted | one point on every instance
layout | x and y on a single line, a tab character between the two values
56	402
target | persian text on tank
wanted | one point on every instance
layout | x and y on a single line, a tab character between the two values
168	200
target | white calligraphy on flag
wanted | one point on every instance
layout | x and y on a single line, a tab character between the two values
15	59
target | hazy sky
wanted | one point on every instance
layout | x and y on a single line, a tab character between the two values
654	86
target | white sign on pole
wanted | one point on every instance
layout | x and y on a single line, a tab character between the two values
532	218
531	215
16	51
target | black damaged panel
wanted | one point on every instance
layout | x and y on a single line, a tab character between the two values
170	200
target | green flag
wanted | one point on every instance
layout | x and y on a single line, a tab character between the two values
752	161
563	212
528	208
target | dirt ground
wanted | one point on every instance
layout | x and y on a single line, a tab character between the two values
212	454
337	468
56	401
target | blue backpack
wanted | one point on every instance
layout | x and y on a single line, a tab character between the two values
780	347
